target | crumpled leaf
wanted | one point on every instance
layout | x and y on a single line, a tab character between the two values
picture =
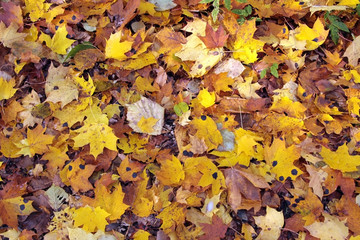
145	109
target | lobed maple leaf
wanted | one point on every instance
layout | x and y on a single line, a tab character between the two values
214	39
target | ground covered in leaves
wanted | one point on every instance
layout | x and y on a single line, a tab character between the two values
179	119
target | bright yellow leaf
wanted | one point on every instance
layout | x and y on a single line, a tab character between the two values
340	159
59	42
91	219
111	202
354	105
7	89
350	3
206	98
146	124
245	46
141	235
98	135
282	158
314	37
36	142
292	109
36	8
116	49
202	172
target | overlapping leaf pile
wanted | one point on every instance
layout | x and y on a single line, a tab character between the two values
183	119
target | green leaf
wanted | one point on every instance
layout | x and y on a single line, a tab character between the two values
206	1
215	13
333	18
78	48
228	4
334	33
358	9
340	25
216	3
274	70
263	73
181	108
248	10
241	20
240	12
241	1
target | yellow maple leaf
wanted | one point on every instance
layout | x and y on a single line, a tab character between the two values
171	172
36	8
354	105
171	216
98	135
341	159
350	3
271	224
59	42
90	218
146	124
7	89
314	37
292	109
246	148
143	203
36	142
116	49
247	89
77	174
111	202
144	84
207	130
282	158
202	172
245	46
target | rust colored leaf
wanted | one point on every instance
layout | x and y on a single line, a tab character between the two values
216	230
214	39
